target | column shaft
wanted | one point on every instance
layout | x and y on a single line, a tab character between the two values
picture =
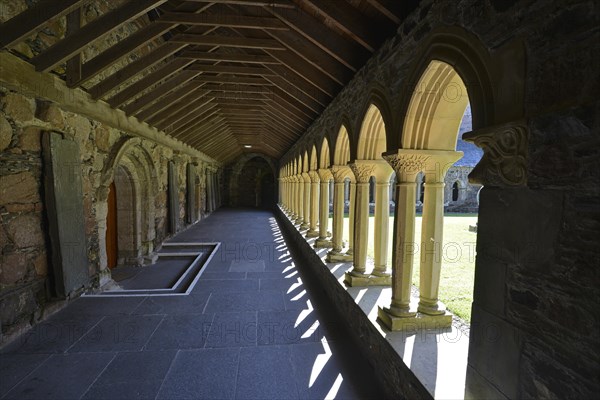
431	248
382	216
404	249
361	229
324	210
338	217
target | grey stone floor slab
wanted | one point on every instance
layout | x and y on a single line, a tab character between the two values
248	301
118	333
234	329
202	374
62	376
193	304
266	372
181	332
15	367
138	390
226	285
247	266
289	327
55	335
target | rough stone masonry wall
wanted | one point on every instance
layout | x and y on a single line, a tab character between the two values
537	284
24	242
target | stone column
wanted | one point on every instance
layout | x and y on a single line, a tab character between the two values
351	217
305	200
401	314
339	176
436	167
314	205
362	171
407	164
299	200
382	172
324	176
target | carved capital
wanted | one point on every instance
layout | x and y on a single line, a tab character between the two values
339	172
314	176
304	177
362	172
407	164
504	161
325	174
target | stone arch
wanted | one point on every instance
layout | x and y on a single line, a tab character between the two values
341	155
372	135
324	158
378	98
436	109
462	52
131	167
314	159
305	162
236	171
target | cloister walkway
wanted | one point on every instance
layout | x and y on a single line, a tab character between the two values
250	329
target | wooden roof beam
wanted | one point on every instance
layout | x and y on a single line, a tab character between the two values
241	58
156	94
197	108
227	41
220	69
346	18
95	30
231	21
347	52
147	81
34	19
187	92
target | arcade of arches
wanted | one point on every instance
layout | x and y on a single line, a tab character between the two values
388	136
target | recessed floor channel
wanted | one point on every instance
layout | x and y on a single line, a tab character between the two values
252	327
176	272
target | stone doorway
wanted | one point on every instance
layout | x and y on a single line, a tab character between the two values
112	243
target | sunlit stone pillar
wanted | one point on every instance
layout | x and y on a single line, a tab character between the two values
362	171
382	172
339	172
401	314
299	200
324	176
314	204
293	213
436	167
305	201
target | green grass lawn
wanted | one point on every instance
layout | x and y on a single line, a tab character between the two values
458	265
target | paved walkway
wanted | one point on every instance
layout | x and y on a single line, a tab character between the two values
250	329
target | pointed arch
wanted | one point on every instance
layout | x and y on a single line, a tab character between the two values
342	147
454	60
314	161
372	135
325	157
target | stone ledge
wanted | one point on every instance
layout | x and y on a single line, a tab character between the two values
419	322
323	243
342	257
371	280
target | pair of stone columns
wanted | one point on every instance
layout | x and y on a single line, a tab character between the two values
363	170
429	313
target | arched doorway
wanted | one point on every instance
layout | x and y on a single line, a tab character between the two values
112	242
256	184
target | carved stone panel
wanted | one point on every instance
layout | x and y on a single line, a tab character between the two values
173	195
504	161
64	206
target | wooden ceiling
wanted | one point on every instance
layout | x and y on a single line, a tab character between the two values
222	75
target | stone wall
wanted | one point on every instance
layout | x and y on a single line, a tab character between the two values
537	284
25	277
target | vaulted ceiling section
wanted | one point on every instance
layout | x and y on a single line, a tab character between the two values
225	76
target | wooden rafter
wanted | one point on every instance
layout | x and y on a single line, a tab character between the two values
95	30
228	41
232	21
34	19
228	57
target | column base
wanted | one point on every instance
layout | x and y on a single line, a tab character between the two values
368	280
312	233
304	226
339	257
418	322
323	243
